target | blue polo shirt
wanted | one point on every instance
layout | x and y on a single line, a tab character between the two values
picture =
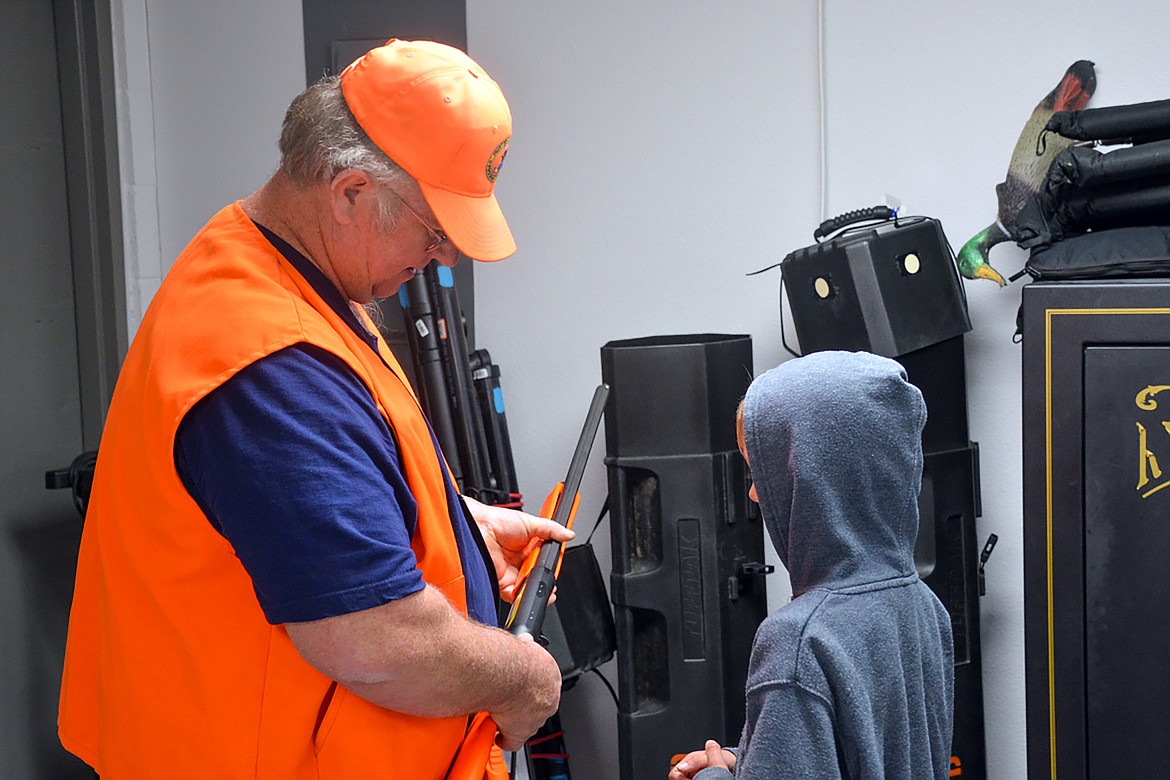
292	463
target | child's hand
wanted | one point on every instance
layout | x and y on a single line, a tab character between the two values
711	755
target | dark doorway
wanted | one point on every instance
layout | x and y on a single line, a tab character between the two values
61	316
339	31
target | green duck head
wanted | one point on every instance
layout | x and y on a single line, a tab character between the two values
972	258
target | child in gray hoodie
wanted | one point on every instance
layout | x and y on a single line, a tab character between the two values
854	678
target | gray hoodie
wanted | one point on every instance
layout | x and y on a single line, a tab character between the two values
854	678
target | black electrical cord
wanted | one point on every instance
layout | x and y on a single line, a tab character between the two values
612	692
783	337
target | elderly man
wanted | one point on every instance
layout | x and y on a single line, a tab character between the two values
278	577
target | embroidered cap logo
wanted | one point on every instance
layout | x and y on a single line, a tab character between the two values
496	161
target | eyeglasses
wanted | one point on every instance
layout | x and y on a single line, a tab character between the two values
438	237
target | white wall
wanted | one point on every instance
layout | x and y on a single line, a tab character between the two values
201	89
661	151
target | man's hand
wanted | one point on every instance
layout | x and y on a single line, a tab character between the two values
711	755
507	534
535	702
420	656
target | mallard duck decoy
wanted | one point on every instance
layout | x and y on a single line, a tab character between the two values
1028	169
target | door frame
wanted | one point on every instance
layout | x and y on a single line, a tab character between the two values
85	61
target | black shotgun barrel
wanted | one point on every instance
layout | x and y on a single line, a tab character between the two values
527	615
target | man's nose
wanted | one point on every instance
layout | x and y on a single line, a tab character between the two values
447	254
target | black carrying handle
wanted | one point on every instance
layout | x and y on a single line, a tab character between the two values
860	215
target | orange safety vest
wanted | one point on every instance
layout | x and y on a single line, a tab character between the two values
171	670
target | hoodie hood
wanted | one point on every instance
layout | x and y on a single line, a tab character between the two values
834	442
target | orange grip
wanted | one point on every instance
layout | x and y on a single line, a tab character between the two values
550	504
480	758
546	511
496	768
533	551
474	754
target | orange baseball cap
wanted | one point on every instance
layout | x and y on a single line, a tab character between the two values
437	114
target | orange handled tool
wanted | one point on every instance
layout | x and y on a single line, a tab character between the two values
478	756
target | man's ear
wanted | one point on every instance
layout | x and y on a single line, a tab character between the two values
345	190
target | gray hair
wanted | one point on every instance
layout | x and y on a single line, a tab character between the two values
320	138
